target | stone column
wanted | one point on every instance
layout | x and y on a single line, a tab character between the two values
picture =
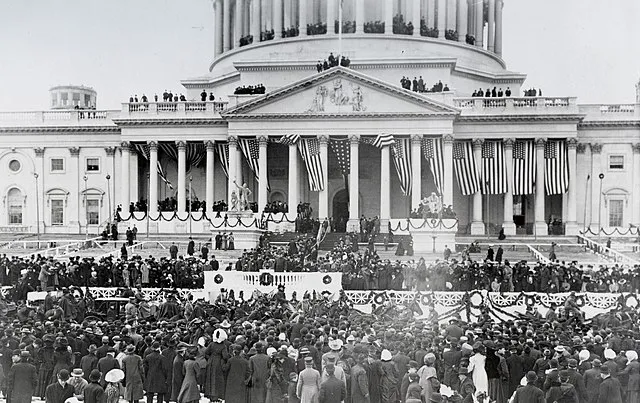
462	21
597	201
471	19
498	34
277	19
125	148
239	20
388	17
442	18
416	171
385	186
331	16
255	20
359	16
583	193
76	188
447	153
302	17
477	223
635	196
491	26
182	172
571	227
540	225
451	14
430	19
508	224
153	176
233	165
479	24
226	25
217	25
354	188
209	175
262	174
416	13
294	181
286	13
323	195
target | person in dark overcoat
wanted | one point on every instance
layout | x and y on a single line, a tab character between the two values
332	390
168	354
22	380
610	390
177	373
60	390
133	375
529	393
217	354
156	374
106	364
45	356
259	371
238	376
93	392
189	392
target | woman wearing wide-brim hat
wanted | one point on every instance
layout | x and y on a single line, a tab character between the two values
134	375
112	390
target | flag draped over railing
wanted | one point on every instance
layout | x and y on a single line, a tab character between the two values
223	156
432	150
524	167
464	164
310	151
402	160
556	167
494	173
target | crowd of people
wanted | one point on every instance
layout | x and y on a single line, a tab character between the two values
532	92
332	61
171	204
491	93
276	206
250	90
418	85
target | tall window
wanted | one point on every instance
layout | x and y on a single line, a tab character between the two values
15	202
57	212
616	208
93	212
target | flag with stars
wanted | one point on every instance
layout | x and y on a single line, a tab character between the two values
310	152
494	173
432	150
289	139
556	167
464	164
251	152
524	167
340	148
223	157
402	162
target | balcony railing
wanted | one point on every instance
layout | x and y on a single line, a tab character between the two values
595	112
511	105
71	117
188	108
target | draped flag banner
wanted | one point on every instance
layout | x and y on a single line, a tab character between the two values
432	150
143	150
251	152
289	139
556	167
195	154
163	176
494	174
524	167
464	164
170	149
340	148
402	160
310	151
223	156
383	140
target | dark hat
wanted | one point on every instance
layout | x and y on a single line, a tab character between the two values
63	375
604	369
94	376
596	363
531	376
572	363
564	374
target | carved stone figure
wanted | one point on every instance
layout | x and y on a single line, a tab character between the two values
243	196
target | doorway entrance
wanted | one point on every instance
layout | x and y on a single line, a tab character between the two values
340	211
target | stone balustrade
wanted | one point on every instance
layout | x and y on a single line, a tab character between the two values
57	117
516	105
610	111
173	109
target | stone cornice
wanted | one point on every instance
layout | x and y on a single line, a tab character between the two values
572	118
342	116
59	129
586	124
172	122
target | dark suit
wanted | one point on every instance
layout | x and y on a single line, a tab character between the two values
93	393
610	391
332	391
529	394
106	364
21	382
578	382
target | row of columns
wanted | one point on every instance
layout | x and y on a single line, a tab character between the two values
463	16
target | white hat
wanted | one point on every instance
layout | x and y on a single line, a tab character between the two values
202	341
351	338
609	354
386	355
584	355
219	336
271	351
631	355
282	337
335	345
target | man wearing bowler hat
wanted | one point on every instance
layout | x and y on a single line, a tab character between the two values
529	393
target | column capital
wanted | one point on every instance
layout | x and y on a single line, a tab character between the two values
323	139
509	142
354	139
581	148
125	146
416	138
39	151
540	142
448	138
233	141
181	145
477	143
572	143
596	148
75	151
210	145
153	145
636	148
263	140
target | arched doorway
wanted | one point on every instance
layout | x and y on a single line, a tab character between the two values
340	210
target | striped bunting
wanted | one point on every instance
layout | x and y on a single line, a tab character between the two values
341	148
195	154
170	149
223	156
402	161
251	152
383	140
494	174
310	151
524	167
432	151
163	176
143	150
289	139
465	167
556	167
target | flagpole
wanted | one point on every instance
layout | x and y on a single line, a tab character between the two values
339	32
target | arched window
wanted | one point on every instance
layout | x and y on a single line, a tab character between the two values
15	204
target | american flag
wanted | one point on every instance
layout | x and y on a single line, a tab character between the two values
251	152
432	150
163	176
402	162
340	148
143	150
465	167
195	154
383	140
170	149
524	167
494	174
289	139
310	151
223	157
556	167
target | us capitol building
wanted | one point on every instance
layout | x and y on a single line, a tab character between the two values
348	139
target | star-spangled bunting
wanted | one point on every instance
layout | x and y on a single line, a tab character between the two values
340	148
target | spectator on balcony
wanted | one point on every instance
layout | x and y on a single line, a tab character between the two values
494	92
155	97
165	96
144	99
212	97
203	96
420	84
131	100
500	93
446	88
183	98
415	84
507	92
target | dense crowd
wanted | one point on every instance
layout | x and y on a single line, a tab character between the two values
171	204
418	85
250	90
491	93
332	61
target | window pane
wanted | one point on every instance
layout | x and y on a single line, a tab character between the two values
615	213
57	164
616	162
57	212
93	164
93	212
